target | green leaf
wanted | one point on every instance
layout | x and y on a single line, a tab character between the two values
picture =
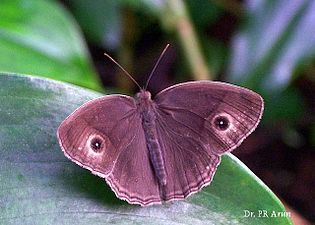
287	106
100	21
151	7
40	37
277	38
216	55
38	185
203	13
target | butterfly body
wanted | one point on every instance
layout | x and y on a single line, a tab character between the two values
147	110
160	149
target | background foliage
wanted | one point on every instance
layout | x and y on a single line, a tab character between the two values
267	46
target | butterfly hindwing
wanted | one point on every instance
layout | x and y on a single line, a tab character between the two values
189	166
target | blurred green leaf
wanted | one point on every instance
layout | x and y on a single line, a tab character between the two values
278	37
286	106
40	37
38	185
216	54
203	13
152	7
100	20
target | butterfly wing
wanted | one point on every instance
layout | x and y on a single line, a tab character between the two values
196	123
106	137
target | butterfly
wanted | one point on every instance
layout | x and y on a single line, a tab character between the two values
158	149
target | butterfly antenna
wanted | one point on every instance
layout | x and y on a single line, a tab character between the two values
125	71
156	64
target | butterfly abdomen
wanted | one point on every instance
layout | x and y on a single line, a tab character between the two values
153	145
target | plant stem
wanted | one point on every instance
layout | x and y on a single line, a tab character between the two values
177	18
126	51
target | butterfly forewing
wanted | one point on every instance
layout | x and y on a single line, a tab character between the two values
200	105
105	136
197	122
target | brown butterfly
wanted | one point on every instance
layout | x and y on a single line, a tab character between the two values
154	150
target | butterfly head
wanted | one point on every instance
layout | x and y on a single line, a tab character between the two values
143	100
143	96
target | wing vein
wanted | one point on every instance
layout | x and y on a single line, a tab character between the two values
169	131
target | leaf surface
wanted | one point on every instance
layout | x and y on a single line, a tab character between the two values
39	185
